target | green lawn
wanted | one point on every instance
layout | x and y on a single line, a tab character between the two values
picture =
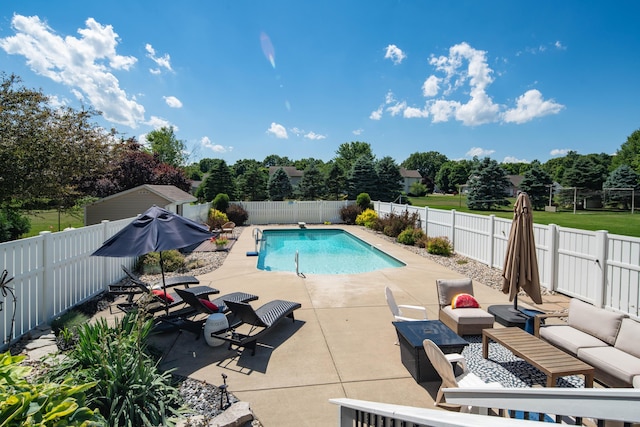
48	220
613	221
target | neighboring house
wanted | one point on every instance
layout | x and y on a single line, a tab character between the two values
294	174
132	202
514	185
409	177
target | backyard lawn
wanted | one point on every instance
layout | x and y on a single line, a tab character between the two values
49	220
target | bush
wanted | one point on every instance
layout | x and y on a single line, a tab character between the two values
129	388
221	202
410	236
367	218
418	189
237	214
393	224
216	219
172	260
349	214
364	201
12	224
439	246
72	320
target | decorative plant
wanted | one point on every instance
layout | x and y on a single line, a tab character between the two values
220	241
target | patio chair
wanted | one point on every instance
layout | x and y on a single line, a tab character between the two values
442	363
463	321
260	321
229	228
396	309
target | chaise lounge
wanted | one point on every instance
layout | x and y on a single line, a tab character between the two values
260	321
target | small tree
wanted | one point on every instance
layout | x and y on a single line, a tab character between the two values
389	179
221	202
624	177
487	186
363	178
279	185
535	182
218	181
312	185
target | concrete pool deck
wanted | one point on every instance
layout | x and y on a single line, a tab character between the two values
342	343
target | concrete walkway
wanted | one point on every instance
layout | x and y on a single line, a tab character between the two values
341	344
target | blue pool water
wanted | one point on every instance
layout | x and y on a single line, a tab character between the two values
322	251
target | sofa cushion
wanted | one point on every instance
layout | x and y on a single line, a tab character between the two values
614	362
449	288
628	339
569	338
636	381
600	323
469	316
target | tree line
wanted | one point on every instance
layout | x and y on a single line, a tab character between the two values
58	157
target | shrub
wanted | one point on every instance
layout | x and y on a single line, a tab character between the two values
71	320
216	219
367	218
439	246
42	403
237	214
129	388
410	236
172	260
418	189
393	224
349	214
423	241
221	202
364	201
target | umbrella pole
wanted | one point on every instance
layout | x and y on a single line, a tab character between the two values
164	286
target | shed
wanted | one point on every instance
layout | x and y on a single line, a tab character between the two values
132	202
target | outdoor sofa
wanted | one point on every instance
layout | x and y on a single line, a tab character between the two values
604	339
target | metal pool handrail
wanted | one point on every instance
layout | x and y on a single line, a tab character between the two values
257	236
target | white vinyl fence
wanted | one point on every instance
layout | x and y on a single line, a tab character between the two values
595	266
54	271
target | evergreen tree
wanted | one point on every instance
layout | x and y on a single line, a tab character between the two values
624	177
335	181
312	185
535	183
218	181
389	179
363	178
252	184
488	185
279	185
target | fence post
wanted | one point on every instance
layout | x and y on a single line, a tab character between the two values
453	228
426	220
48	278
492	227
601	262
553	256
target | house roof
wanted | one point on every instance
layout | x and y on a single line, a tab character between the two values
169	192
409	173
291	171
515	180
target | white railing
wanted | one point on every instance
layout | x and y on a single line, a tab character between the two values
595	266
619	405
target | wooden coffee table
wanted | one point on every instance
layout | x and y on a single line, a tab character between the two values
547	358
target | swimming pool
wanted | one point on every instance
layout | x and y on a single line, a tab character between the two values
321	251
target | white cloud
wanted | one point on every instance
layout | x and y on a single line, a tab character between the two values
395	54
559	151
480	152
278	131
206	143
530	106
314	136
511	159
157	123
172	101
397	108
163	61
358	131
377	114
412	112
559	45
431	86
442	110
83	64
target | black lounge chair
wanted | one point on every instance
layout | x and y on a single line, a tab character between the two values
261	321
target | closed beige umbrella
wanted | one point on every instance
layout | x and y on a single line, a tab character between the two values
521	263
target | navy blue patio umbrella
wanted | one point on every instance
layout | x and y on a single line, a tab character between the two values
156	230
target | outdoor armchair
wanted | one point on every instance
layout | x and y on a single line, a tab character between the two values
396	310
463	321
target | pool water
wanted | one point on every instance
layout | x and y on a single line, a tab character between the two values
322	251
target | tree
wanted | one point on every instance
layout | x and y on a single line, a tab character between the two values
516	168
252	184
363	178
348	152
624	177
218	181
167	147
428	164
452	174
275	160
535	182
584	173
335	180
312	185
279	185
389	179
488	185
205	164
629	152
243	165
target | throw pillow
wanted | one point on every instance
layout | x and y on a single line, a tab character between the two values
210	306
163	295
464	301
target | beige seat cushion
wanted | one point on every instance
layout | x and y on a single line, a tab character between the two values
636	381
469	316
614	362
449	288
602	324
628	339
569	338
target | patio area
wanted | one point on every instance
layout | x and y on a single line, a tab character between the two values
342	343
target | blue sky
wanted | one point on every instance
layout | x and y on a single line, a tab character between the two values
512	80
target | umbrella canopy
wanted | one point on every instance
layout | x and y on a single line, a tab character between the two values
156	230
521	263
